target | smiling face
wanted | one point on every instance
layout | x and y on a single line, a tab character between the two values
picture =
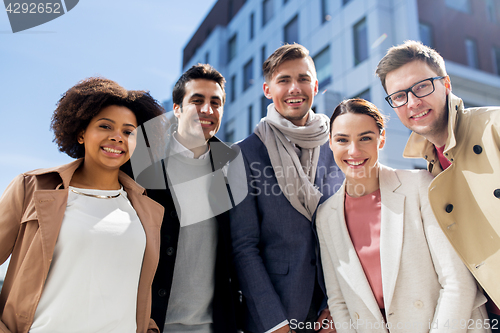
355	140
292	88
109	139
427	116
201	112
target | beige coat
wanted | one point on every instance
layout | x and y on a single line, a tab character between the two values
31	212
465	198
424	282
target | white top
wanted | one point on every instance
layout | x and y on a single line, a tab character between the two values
94	275
191	297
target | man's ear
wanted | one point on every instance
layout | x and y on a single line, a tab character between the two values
447	84
316	87
267	91
177	110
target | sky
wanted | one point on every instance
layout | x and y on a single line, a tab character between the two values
135	43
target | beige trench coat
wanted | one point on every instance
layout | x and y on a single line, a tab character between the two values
465	198
31	212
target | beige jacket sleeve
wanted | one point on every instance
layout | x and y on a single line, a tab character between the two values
11	212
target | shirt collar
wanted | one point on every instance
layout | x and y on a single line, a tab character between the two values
178	148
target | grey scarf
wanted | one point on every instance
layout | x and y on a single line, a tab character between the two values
295	174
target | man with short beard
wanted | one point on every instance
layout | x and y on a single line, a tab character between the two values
462	149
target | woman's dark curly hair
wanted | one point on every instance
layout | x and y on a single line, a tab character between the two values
85	100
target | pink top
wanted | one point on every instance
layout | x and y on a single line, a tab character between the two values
362	216
445	163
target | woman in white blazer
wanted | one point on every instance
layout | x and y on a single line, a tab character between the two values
388	267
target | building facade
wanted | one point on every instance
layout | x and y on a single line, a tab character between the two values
347	39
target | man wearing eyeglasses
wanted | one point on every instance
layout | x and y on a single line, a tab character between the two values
460	145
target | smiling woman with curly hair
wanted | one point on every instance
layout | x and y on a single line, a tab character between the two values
83	237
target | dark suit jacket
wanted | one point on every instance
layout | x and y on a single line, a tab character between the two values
225	293
275	247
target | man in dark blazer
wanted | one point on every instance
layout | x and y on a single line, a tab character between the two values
194	175
290	171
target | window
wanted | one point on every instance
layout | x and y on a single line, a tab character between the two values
231	48
248	75
232	95
360	32
425	34
460	5
207	57
250	119
496	60
325	11
292	30
229	131
323	67
264	102
365	94
267	11
471	49
345	2
252	26
491	11
262	56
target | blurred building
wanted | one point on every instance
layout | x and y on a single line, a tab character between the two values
346	39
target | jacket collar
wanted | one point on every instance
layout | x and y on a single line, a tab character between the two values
419	147
66	172
391	240
221	153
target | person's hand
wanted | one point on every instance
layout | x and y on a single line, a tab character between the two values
325	321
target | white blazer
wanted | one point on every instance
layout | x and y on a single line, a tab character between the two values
426	286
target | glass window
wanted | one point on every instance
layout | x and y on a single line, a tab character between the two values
496	60
360	33
252	26
267	11
471	49
230	10
325	11
425	34
248	75
207	57
345	2
460	5
365	94
250	119
232	94
264	102
229	131
262	56
491	11
292	30
323	67
231	48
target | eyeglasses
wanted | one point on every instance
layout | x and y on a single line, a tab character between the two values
419	89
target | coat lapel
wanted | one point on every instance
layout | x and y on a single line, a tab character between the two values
349	265
391	234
